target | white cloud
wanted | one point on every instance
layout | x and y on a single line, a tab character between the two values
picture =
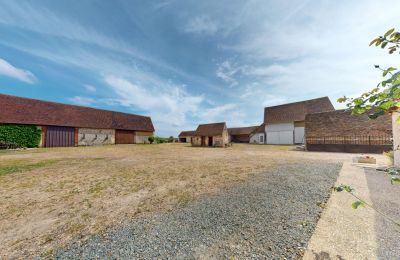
83	101
90	88
168	107
217	113
9	70
201	24
228	71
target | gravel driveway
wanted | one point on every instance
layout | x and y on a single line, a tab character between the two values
272	215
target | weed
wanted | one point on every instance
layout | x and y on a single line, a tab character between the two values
16	166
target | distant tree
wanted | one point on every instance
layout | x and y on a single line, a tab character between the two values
170	139
151	139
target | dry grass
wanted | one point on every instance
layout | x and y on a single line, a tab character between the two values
51	196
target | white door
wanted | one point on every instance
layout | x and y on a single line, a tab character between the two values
299	135
281	137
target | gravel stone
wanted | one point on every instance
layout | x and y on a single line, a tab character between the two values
271	215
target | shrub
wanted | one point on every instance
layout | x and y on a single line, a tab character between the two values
20	135
151	139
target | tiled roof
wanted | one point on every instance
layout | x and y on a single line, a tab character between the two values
210	129
186	133
259	130
296	111
17	110
241	130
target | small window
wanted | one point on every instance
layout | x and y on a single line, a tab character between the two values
261	139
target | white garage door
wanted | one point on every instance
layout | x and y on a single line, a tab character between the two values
299	135
281	137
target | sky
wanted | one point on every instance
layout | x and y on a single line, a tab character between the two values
189	62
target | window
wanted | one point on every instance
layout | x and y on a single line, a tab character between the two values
261	139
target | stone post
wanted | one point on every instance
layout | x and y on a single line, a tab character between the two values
396	138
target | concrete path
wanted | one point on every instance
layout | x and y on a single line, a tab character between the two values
346	233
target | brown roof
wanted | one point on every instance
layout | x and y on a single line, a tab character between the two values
259	130
241	130
186	133
17	110
296	111
344	123
210	129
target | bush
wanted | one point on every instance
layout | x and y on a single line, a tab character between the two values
20	135
151	139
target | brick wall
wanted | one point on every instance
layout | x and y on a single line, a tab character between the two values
343	123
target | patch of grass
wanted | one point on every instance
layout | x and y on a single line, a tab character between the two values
98	187
184	198
17	166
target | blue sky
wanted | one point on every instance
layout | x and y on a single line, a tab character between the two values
190	62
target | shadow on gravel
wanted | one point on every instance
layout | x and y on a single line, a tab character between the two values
385	198
272	215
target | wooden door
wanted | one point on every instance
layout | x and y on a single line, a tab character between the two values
59	136
124	137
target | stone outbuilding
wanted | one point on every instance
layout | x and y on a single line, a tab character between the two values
241	134
213	135
70	125
342	131
186	136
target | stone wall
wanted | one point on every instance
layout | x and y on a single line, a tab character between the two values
89	136
343	123
142	137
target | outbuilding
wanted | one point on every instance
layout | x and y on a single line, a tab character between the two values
241	134
342	131
214	135
284	124
186	136
70	125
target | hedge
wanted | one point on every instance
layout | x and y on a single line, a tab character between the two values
21	135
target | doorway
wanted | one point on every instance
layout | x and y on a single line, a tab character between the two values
210	141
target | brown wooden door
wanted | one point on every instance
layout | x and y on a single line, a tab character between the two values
59	136
124	137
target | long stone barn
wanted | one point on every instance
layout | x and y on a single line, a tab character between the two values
69	125
342	131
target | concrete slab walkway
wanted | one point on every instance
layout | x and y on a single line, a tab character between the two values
345	233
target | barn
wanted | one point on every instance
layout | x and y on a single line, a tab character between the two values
213	135
70	125
241	134
342	131
186	136
284	124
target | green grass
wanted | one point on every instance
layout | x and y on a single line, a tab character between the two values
16	166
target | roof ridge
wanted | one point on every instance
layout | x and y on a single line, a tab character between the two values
296	102
64	104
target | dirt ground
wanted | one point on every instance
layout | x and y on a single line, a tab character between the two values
52	196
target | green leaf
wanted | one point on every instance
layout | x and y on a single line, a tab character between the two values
343	187
373	41
384	45
376	114
386	71
389	32
386	105
358	204
395	180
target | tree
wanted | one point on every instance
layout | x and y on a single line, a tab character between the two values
151	139
385	97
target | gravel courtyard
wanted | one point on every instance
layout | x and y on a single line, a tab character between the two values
271	215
